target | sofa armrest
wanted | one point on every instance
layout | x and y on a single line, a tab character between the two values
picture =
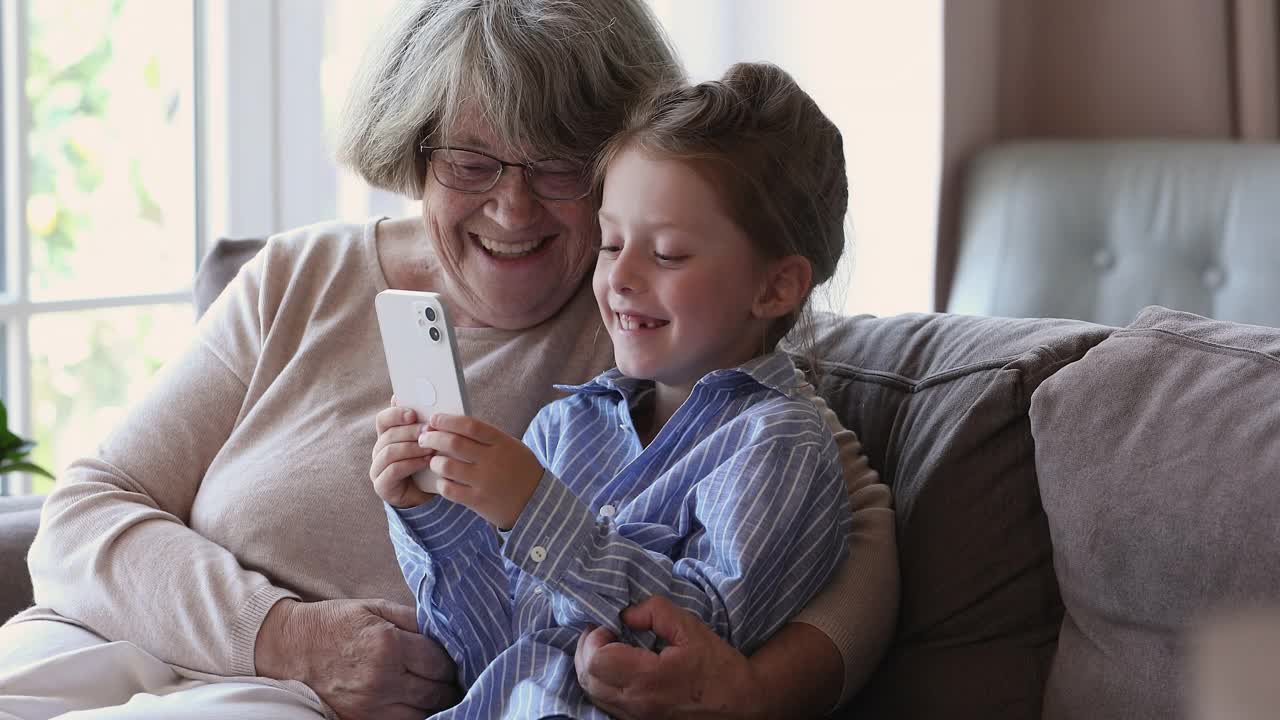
219	267
19	518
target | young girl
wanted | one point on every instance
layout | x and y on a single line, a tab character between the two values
696	469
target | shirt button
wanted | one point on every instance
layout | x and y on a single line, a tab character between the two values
537	589
538	554
608	511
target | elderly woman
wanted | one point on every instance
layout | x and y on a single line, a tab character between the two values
223	555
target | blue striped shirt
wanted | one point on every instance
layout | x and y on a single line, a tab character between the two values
737	512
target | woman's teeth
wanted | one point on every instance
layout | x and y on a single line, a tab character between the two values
509	250
631	322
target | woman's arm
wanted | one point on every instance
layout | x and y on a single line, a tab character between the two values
858	610
114	552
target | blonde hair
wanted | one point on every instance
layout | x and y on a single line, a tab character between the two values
552	77
775	159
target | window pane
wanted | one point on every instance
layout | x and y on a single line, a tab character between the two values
88	368
349	27
111	147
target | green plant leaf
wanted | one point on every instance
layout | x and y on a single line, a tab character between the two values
14	450
25	467
8	439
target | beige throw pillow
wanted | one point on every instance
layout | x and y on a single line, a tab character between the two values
1158	456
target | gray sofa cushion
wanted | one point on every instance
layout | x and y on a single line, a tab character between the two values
218	268
19	518
1159	456
940	404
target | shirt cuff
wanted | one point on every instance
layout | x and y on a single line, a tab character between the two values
552	532
440	527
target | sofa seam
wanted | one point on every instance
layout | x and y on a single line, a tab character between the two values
1216	347
850	372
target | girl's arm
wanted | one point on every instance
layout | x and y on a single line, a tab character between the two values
449	557
765	530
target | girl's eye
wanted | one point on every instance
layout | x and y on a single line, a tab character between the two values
609	248
669	258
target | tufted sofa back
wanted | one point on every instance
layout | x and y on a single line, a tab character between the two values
1098	230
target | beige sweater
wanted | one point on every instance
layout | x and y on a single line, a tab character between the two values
242	477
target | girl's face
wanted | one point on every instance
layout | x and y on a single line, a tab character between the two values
677	281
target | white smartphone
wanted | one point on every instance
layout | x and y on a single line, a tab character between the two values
422	359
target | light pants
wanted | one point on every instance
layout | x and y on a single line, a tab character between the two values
50	669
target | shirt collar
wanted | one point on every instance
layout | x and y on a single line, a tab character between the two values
775	371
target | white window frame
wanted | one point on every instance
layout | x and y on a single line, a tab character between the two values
267	167
254	61
236	84
17	308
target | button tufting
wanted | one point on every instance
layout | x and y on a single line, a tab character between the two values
1103	259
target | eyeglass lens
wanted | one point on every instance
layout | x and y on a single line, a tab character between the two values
474	172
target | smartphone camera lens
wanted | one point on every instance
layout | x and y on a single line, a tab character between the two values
434	333
431	314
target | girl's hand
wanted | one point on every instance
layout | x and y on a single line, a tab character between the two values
397	456
484	468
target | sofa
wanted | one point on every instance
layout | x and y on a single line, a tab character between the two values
1073	498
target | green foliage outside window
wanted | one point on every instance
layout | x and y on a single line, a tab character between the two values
66	96
110	209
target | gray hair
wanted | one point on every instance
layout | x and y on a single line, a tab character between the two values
553	77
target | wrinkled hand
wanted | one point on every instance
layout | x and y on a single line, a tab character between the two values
365	658
397	456
486	469
696	675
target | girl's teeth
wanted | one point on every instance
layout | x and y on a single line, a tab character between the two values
509	250
630	323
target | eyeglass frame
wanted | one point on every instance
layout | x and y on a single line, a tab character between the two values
528	168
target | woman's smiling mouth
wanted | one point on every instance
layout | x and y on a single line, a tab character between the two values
509	251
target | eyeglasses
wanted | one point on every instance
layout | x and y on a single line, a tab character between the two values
471	171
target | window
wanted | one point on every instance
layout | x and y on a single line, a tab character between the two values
348	28
99	198
875	69
132	129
